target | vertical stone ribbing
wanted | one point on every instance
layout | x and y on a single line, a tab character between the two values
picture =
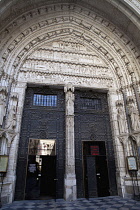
70	179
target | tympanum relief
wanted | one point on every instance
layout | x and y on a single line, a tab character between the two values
66	60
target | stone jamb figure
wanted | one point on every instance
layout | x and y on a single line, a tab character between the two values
134	118
2	110
12	119
121	118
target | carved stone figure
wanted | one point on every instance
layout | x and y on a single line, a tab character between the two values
134	117
3	149
12	119
121	120
69	99
2	110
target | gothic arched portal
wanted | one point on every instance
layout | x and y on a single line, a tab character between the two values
75	46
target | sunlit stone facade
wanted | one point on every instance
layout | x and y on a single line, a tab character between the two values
72	45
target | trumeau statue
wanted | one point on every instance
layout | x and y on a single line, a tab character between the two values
121	118
69	89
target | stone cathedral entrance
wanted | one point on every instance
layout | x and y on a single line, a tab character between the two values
41	157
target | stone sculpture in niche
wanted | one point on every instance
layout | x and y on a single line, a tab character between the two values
133	114
2	110
12	119
121	117
3	94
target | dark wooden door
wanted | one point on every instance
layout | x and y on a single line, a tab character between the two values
92	123
43	118
32	179
102	176
91	177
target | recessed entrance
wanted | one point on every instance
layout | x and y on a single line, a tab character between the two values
41	170
94	154
42	143
96	182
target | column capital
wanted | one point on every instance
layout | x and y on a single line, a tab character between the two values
69	87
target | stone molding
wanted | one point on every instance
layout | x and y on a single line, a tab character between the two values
86	38
56	78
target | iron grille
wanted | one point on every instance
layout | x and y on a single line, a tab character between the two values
44	100
91	103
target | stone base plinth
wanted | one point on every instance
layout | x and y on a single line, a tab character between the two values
70	192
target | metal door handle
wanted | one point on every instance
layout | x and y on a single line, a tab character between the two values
55	179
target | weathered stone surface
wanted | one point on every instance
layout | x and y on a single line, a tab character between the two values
70	44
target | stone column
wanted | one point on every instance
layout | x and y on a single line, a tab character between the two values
70	178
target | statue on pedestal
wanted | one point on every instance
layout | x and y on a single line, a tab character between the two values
134	117
133	114
69	90
12	119
121	117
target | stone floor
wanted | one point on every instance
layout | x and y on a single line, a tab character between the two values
110	203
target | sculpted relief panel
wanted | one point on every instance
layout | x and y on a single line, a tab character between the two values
64	59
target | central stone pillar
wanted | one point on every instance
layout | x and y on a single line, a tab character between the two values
70	178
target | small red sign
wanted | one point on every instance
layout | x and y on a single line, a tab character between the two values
94	150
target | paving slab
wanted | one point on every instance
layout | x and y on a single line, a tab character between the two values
105	203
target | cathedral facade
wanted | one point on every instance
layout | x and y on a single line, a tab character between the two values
69	99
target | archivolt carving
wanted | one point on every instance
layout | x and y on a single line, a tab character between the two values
88	37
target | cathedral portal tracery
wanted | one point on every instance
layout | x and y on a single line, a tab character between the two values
60	43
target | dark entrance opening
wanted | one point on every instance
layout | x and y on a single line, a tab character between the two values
41	169
96	182
41	177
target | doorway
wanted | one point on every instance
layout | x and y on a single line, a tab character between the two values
96	181
41	170
43	119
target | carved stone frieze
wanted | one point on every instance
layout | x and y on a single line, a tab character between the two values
66	68
58	78
69	52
